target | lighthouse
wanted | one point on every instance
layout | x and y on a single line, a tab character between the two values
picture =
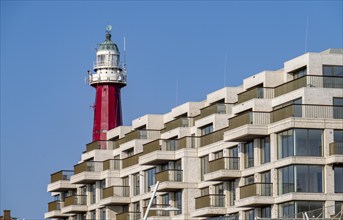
108	78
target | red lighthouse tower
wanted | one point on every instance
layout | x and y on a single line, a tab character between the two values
108	78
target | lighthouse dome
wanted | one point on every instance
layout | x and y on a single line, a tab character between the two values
108	45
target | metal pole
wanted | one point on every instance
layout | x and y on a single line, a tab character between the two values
151	200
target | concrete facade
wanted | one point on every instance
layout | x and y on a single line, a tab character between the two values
224	156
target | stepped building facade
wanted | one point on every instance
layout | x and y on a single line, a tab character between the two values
270	148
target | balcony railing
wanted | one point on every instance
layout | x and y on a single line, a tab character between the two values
336	148
157	212
61	175
101	145
211	200
112	164
218	108
307	111
256	189
309	81
139	134
128	216
259	93
171	145
255	118
169	175
75	200
179	122
116	191
55	205
88	166
130	161
224	163
212	137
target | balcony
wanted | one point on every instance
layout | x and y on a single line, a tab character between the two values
219	108
309	81
131	161
60	181
212	137
112	164
335	152
101	145
129	216
54	210
115	195
255	194
256	93
307	111
210	205
161	214
75	204
248	126
178	123
87	172
225	168
161	151
170	180
139	134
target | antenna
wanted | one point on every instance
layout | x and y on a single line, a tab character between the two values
225	68
306	34
124	52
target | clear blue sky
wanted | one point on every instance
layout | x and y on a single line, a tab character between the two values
47	48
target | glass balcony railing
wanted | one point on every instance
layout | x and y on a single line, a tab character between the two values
178	123
130	161
256	93
101	145
138	134
75	200
218	108
254	118
212	137
307	111
116	191
158	212
309	81
112	164
336	148
169	175
224	163
171	145
211	200
256	189
61	175
88	166
129	216
55	205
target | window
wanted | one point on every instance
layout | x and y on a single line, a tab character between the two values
300	178
299	72
249	180
338	136
234	159
338	170
217	155
249	155
219	195
266	212
149	179
93	215
332	70
136	184
204	166
165	203
233	184
265	150
102	187
295	209
129	152
103	214
178	202
93	193
300	142
204	191
338	107
206	129
249	215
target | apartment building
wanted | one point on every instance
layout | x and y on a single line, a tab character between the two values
270	148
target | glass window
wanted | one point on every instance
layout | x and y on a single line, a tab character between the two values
93	215
266	212
300	178
178	202
249	155
338	170
103	214
265	150
93	193
249	180
204	191
102	187
204	166
338	107
218	155
332	70
338	136
149	179
233	184
299	72
300	142
206	129
136	184
249	215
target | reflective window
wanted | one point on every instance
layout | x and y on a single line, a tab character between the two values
249	155
149	179
249	215
206	129
265	150
266	212
332	70
295	209
338	179
204	166
178	202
